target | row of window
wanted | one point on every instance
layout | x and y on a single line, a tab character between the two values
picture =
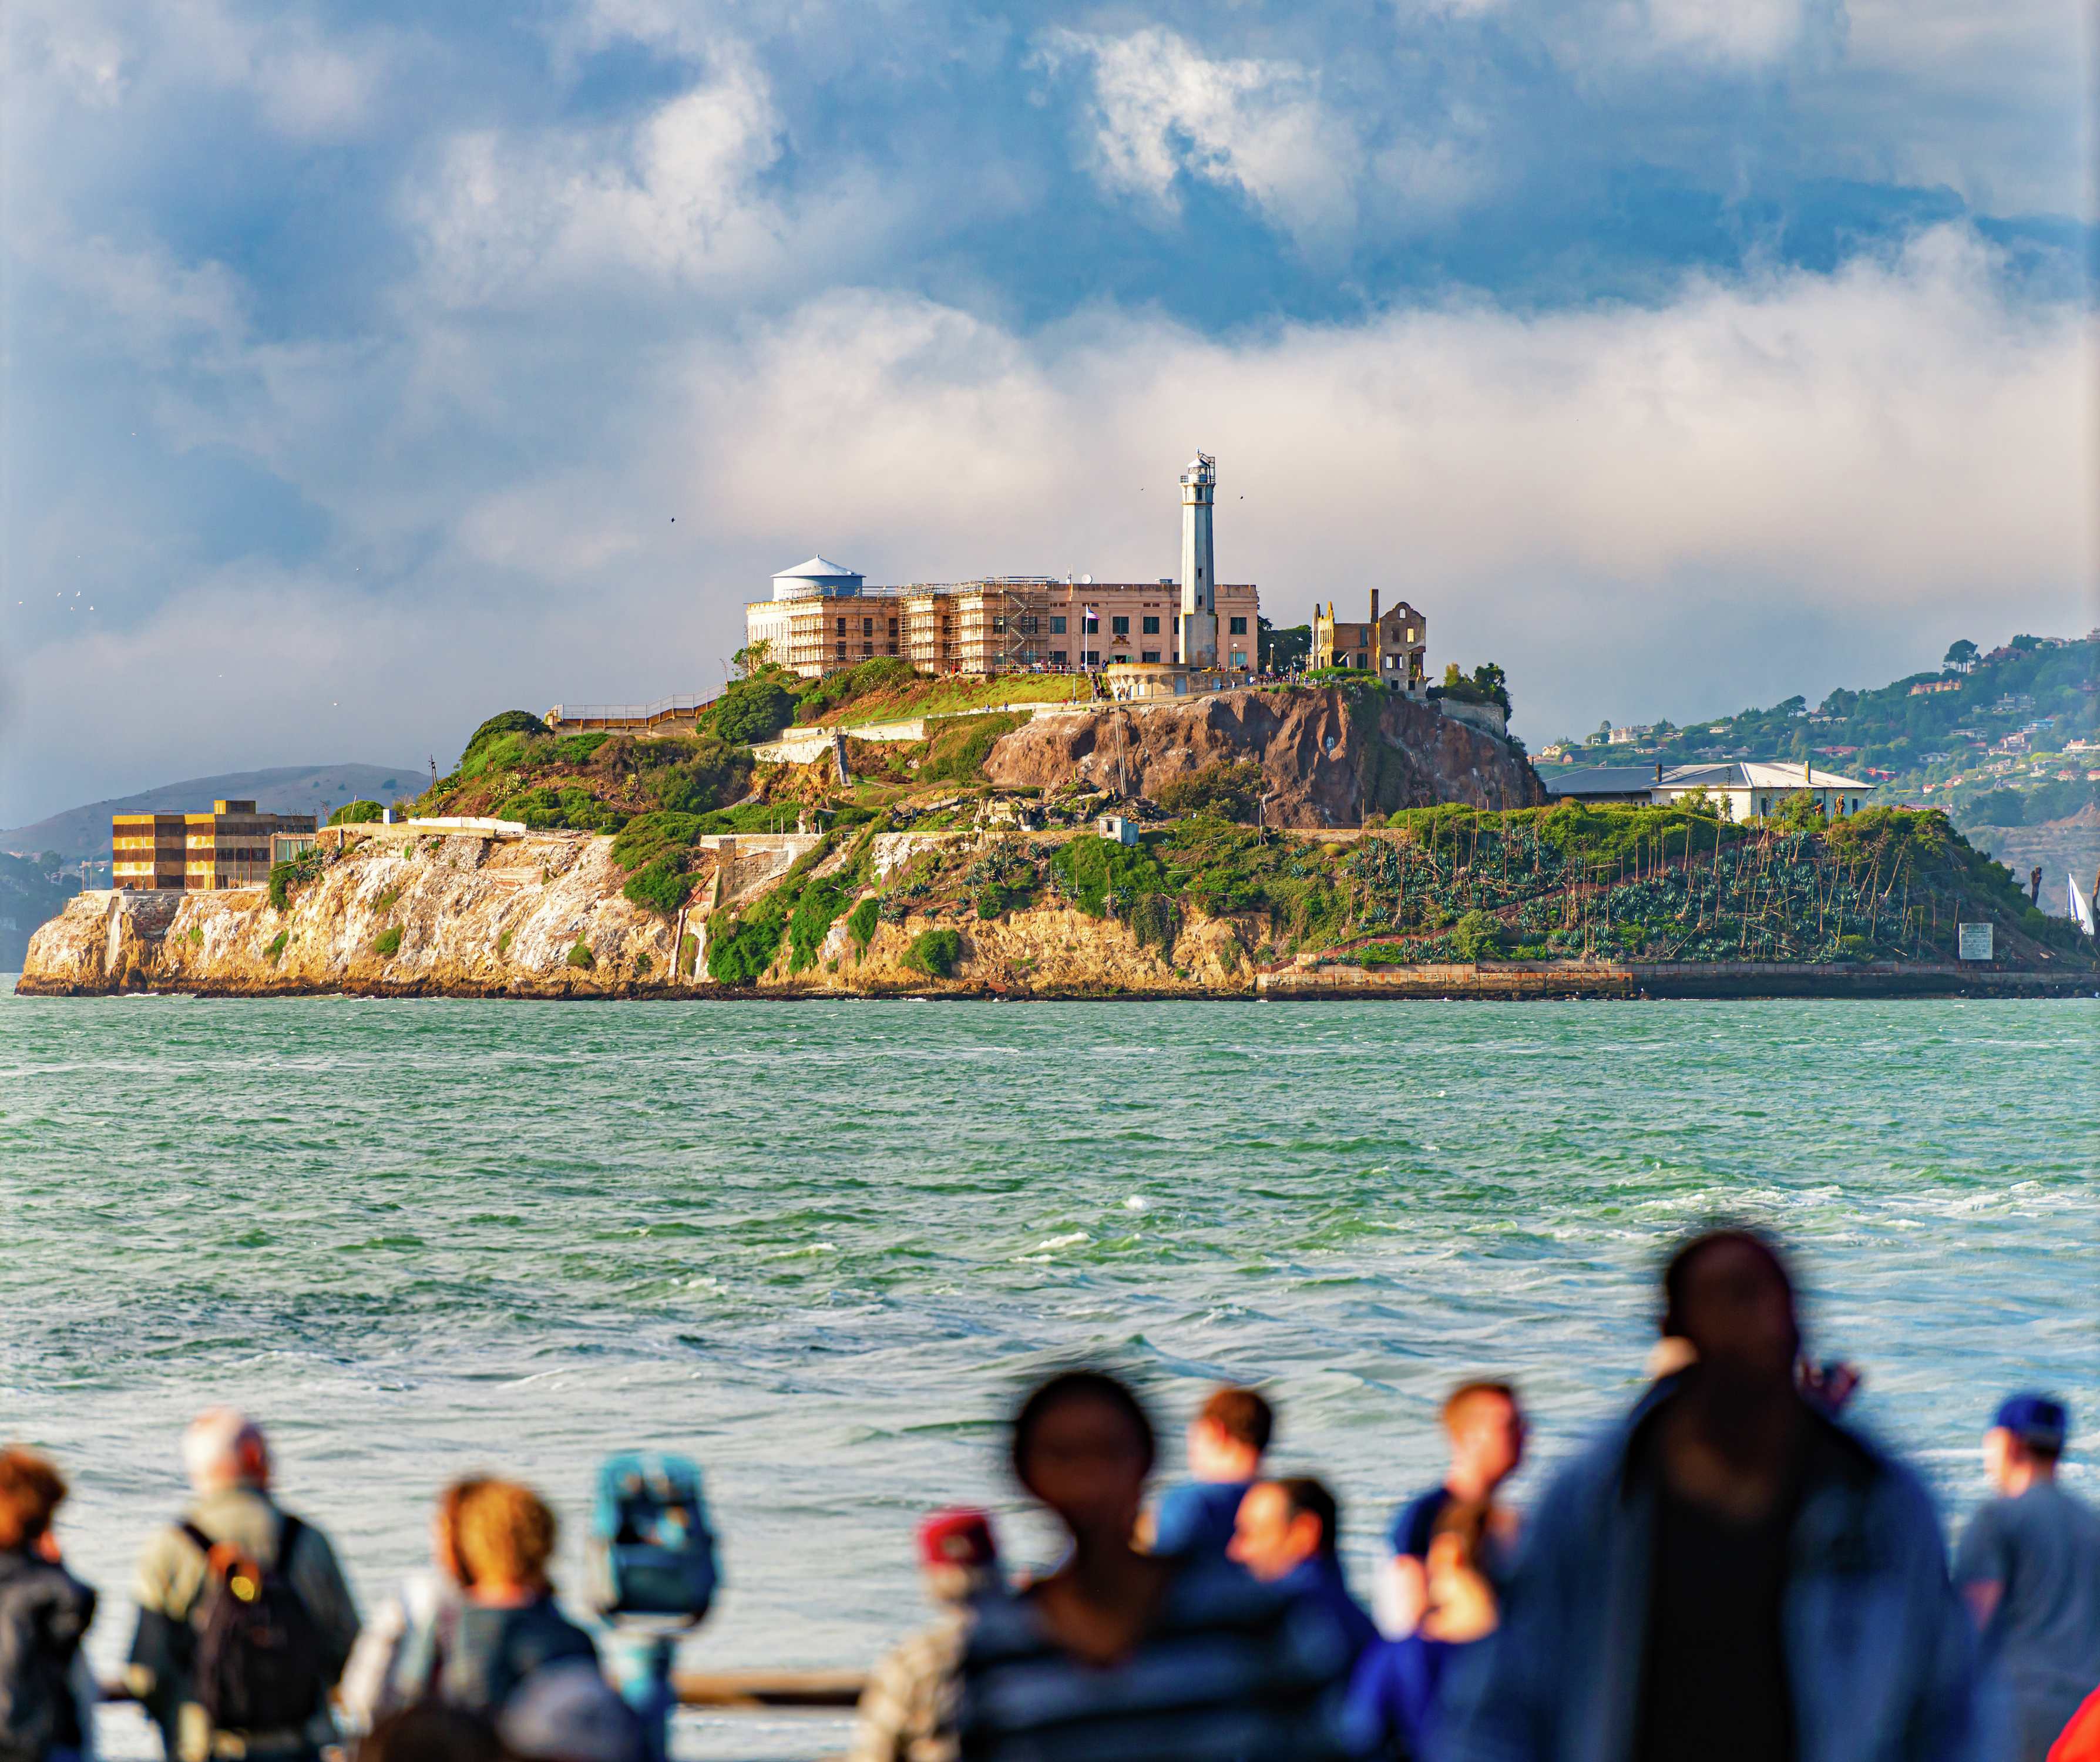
868	629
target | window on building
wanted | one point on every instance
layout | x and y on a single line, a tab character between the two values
842	627
999	623
1093	628
1119	626
893	627
1059	656
892	647
1363	660
867	649
1152	627
841	655
1057	626
1148	654
1239	627
1030	625
867	627
1239	658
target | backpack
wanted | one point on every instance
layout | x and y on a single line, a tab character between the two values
257	1661
650	1551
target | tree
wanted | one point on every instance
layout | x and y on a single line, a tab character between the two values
1279	651
753	709
1962	655
1492	683
753	659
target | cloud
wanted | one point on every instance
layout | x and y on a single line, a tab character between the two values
307	84
1257	126
1759	487
670	196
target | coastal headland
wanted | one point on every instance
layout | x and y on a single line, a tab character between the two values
1093	851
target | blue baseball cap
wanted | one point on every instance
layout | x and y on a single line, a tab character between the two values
2036	1420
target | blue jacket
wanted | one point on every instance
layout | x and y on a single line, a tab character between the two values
1878	1648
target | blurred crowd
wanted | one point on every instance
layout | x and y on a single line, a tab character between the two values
1728	1572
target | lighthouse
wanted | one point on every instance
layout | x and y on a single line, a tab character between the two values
1199	576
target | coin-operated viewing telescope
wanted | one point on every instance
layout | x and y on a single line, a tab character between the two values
650	1575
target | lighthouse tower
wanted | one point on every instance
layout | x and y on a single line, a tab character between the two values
1199	578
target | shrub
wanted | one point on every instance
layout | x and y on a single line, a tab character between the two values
388	941
386	901
1228	792
1154	921
648	837
276	951
688	951
503	722
935	953
753	709
581	956
958	745
865	916
886	673
1092	868
578	749
502	944
642	963
663	885
1474	935
357	813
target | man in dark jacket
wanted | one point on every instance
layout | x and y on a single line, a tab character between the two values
1729	1576
44	1611
229	1465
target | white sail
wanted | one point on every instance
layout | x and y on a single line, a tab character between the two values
2081	908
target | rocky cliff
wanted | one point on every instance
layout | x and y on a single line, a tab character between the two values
1325	762
543	916
458	916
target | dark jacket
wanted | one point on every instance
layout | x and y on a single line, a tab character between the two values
492	1650
44	1611
1877	1646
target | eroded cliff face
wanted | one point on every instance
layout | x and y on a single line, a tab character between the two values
476	916
482	918
1318	768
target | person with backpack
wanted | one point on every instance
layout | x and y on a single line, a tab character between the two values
44	1612
245	1621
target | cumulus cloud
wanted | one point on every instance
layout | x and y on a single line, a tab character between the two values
1895	435
1758	488
1259	126
669	197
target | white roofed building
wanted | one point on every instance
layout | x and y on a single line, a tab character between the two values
1750	789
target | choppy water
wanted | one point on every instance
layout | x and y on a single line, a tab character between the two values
821	1246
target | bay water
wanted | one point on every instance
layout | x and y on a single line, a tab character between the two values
821	1247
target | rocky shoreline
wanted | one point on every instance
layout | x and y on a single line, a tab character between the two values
541	916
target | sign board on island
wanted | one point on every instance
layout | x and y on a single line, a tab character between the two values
1972	942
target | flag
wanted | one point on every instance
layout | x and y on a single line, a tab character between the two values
2081	908
1087	611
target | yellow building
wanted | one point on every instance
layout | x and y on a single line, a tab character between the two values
229	847
1391	645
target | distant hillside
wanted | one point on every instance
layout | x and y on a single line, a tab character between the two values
1998	739
314	789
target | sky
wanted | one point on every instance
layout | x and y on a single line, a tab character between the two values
373	368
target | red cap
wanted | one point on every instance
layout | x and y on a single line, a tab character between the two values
956	1539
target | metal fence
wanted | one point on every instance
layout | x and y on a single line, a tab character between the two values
663	709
